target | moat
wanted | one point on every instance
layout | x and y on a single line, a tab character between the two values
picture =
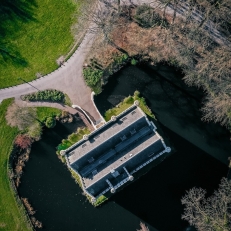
155	197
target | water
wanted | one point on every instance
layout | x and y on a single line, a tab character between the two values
155	197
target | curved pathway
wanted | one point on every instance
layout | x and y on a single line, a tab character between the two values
68	78
71	110
62	107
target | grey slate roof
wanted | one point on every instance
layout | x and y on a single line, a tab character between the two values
127	142
108	133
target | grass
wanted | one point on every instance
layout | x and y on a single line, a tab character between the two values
76	177
73	138
126	103
67	100
100	200
44	112
39	41
11	214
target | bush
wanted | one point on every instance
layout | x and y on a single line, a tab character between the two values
120	59
50	122
133	61
35	131
147	18
136	93
23	141
47	95
128	99
73	138
92	76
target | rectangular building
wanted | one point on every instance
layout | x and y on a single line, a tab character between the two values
107	158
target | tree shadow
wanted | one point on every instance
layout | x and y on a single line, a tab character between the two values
12	14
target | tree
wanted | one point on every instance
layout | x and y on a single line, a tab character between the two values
217	108
50	122
35	131
143	227
22	117
23	141
103	18
211	214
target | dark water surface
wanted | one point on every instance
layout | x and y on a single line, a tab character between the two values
155	197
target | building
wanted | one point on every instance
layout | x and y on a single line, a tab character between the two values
107	158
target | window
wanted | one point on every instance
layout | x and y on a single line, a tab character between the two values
114	173
133	112
123	137
94	172
71	153
133	131
151	154
84	145
91	160
124	118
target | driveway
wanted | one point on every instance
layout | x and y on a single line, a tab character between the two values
68	79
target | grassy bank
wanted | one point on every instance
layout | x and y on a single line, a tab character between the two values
43	112
126	103
11	215
36	38
72	139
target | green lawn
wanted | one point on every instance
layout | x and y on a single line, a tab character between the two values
72	139
11	215
43	112
126	103
38	41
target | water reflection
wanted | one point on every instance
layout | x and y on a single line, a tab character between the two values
155	197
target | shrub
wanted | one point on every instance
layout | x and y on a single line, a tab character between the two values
46	95
147	18
133	62
22	117
23	141
128	99
50	122
120	59
92	76
100	200
136	93
35	131
73	138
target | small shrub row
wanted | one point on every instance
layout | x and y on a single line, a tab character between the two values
126	103
46	95
73	138
119	59
92	76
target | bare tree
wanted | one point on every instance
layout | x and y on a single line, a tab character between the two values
103	18
22	117
143	227
211	214
217	109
